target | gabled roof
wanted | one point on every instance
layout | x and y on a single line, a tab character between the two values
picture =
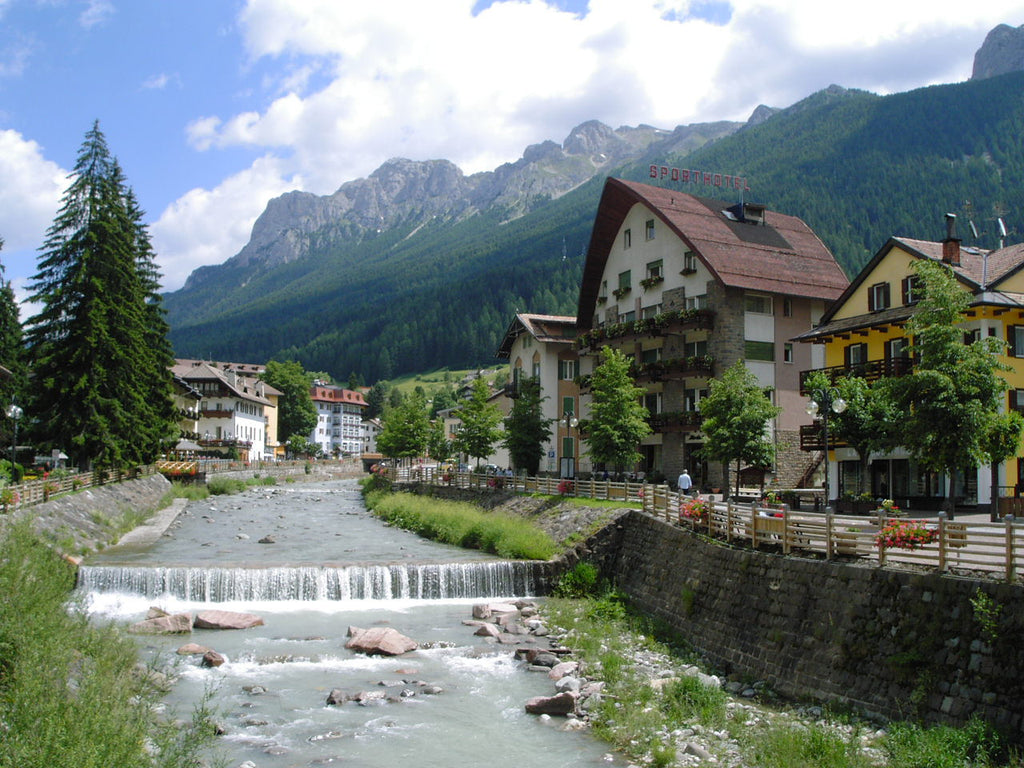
242	387
980	278
328	393
550	329
782	255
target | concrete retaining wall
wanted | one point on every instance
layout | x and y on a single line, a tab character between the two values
895	643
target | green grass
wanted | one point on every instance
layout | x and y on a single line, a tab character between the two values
786	745
462	524
70	693
913	746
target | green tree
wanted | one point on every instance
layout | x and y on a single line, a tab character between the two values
376	399
618	420
405	429
439	447
102	388
526	428
12	349
481	420
735	416
299	445
296	413
950	403
869	422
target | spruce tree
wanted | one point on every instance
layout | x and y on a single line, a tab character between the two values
12	354
526	428
98	345
618	420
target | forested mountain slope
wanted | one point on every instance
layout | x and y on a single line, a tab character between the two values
435	290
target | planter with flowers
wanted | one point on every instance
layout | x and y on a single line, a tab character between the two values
8	496
905	534
566	487
49	488
889	508
695	511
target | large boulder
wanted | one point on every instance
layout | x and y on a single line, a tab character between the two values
176	624
560	704
227	620
379	641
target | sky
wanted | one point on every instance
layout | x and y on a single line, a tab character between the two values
213	107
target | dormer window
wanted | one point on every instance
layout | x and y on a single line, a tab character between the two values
878	297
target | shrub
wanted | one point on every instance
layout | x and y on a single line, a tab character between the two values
909	745
222	486
580	581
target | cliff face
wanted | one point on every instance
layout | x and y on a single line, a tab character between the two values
414	192
1001	53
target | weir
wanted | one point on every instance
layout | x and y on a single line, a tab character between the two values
352	582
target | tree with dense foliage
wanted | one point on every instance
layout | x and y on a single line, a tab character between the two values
296	413
526	428
618	420
734	420
405	429
869	423
439	447
103	389
376	399
12	349
950	405
481	423
300	445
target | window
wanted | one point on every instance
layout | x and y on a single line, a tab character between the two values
758	304
692	398
1017	400
695	348
787	353
787	307
627	239
878	297
624	280
604	291
911	289
569	405
652	311
654	270
897	348
648	356
1015	338
568	369
760	350
696	302
627	317
649	229
855	354
689	263
536	370
652	402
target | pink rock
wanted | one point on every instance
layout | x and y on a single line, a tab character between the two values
380	641
227	620
559	704
179	623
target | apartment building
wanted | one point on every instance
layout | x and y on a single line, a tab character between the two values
339	428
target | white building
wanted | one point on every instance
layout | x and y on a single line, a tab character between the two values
339	426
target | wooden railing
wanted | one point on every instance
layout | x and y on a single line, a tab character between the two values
993	548
42	488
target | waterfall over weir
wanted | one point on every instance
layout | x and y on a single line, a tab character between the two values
353	582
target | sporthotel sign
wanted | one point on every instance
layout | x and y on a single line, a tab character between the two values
688	176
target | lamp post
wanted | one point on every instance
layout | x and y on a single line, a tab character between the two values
14	412
569	462
822	401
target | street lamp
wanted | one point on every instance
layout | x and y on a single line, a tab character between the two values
14	412
822	401
569	462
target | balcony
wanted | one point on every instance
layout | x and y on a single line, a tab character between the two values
219	414
812	438
676	368
675	421
869	371
659	325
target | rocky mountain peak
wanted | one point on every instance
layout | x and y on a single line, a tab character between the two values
1001	53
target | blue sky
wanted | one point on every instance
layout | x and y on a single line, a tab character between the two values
215	106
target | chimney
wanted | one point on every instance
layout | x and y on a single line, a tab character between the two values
951	245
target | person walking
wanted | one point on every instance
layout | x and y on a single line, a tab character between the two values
684	484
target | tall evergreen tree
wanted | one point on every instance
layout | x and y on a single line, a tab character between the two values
98	345
12	354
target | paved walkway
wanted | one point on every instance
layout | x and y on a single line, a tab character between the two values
150	531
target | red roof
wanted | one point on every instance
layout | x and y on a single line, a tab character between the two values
781	256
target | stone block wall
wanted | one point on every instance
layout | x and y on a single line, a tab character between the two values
887	642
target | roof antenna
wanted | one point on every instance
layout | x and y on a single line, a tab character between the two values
1002	232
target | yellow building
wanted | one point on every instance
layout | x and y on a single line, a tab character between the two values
863	334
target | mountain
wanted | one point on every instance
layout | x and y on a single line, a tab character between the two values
1001	53
419	267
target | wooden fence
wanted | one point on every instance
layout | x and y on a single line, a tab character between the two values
993	548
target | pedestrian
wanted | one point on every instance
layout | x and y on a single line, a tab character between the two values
684	484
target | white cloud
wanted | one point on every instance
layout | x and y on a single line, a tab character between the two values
96	12
160	81
209	226
29	195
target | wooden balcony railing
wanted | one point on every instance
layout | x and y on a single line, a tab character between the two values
869	371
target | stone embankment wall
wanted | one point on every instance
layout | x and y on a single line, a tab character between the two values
897	643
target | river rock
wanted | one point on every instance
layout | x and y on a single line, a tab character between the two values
488	630
192	649
488	610
559	704
379	641
336	697
268	539
227	620
212	659
562	669
179	623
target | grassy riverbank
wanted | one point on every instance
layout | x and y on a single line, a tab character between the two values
460	523
72	694
655	709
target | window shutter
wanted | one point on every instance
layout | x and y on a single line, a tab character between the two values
871	299
1011	340
905	290
886	300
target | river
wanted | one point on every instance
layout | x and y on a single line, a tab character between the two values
332	565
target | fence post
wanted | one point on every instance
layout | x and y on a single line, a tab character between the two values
1011	568
828	534
942	542
753	525
785	529
728	521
